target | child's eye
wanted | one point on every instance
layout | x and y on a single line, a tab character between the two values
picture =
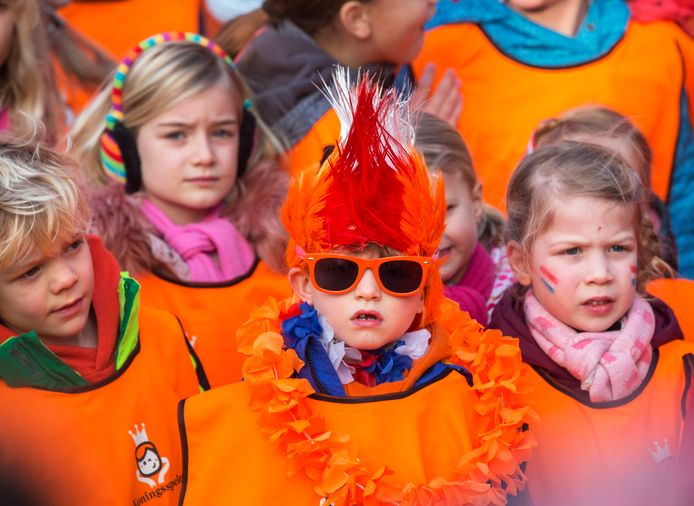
175	136
31	273
223	133
75	246
617	248
450	207
571	251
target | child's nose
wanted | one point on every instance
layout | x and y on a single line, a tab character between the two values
63	277
368	288
599	270
203	152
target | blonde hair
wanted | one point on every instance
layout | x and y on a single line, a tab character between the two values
591	124
164	76
40	200
572	169
78	56
445	151
27	83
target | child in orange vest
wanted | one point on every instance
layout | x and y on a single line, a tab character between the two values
297	44
87	375
189	189
474	270
561	54
372	388
607	361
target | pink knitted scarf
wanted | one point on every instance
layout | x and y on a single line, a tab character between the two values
475	286
196	243
610	364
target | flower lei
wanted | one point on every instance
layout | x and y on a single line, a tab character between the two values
483	476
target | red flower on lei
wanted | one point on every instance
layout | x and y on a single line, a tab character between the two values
340	474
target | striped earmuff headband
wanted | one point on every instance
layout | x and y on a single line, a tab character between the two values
119	156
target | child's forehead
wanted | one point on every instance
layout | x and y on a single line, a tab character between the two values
37	250
370	250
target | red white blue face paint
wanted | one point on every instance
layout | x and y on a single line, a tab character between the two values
548	279
633	272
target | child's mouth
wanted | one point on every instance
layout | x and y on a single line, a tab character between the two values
599	306
367	318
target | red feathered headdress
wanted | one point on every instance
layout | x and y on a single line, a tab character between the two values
373	188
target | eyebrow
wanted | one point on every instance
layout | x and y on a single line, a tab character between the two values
183	124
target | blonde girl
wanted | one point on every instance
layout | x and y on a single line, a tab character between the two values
475	269
608	363
188	189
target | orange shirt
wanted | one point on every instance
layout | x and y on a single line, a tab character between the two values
77	448
505	100
211	313
677	293
609	453
310	149
119	26
420	436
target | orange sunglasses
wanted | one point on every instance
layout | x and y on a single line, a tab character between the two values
336	274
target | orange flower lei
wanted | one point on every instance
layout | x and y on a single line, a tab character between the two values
331	460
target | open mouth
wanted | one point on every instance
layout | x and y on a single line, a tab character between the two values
367	316
597	302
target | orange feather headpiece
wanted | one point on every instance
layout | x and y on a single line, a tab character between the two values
374	188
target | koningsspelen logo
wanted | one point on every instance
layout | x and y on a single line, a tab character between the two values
150	464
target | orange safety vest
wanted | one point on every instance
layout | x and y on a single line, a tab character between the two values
309	150
609	453
677	293
642	77
421	435
211	313
76	447
119	26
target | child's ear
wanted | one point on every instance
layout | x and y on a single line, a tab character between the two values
355	19
300	281
477	202
518	261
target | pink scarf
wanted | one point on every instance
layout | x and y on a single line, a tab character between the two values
196	243
475	286
610	364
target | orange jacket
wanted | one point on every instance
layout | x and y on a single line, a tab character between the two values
309	150
677	293
75	446
211	313
610	453
118	26
642	77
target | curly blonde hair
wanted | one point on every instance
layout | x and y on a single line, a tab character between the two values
40	199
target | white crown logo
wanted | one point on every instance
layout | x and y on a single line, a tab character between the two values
140	435
661	451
